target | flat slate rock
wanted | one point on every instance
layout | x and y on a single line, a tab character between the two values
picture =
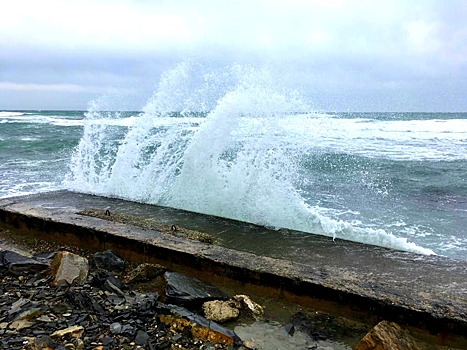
18	263
185	289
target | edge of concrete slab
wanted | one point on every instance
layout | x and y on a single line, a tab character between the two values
335	289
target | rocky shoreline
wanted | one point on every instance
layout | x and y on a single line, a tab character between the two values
63	297
65	301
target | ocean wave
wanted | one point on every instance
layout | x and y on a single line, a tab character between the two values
240	162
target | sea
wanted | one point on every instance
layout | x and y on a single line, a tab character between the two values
238	144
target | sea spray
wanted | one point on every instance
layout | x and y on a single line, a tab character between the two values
215	142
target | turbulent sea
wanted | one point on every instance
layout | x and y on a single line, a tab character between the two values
256	153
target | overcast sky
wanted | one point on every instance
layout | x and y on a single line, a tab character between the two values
362	55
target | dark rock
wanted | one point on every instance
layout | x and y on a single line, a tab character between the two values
145	304
116	328
290	329
109	286
128	330
142	338
182	289
102	277
45	257
109	261
18	263
145	272
177	337
315	327
107	340
115	299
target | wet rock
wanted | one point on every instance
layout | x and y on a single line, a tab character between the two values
254	309
289	329
182	289
219	311
145	272
109	261
198	326
387	335
73	332
68	268
18	263
142	338
314	327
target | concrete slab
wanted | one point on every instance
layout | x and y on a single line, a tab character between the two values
354	280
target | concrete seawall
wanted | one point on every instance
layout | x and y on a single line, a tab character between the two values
429	293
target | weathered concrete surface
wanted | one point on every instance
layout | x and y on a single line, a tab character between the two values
356	280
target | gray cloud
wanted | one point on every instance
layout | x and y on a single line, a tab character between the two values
345	55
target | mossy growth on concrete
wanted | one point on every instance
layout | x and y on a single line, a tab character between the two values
148	224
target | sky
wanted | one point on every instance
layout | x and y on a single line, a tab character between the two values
344	55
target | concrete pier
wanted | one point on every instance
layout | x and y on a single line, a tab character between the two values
354	280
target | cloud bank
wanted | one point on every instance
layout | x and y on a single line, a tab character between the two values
346	55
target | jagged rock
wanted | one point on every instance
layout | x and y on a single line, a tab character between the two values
246	303
219	311
73	332
145	272
109	261
18	263
188	290
68	268
387	336
199	327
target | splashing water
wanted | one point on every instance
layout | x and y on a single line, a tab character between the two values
214	142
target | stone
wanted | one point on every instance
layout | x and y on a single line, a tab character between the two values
73	332
387	336
253	308
19	264
290	329
116	328
249	345
43	342
20	324
145	272
68	268
142	338
184	290
219	311
109	261
79	344
199	327
45	257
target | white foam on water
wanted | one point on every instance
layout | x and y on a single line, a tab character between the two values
394	139
239	162
6	114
